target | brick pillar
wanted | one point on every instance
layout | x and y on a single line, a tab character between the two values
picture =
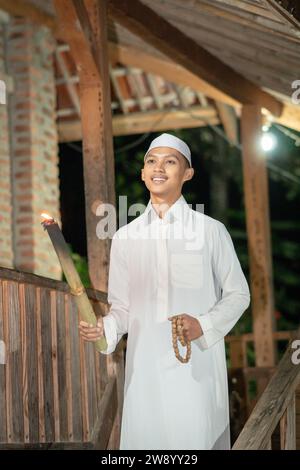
34	145
6	241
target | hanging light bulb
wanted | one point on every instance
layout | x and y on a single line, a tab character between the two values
268	141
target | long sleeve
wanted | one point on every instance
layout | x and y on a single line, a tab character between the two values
233	288
116	321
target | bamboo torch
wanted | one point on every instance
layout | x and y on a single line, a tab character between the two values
85	308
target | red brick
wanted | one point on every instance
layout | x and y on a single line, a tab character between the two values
22	174
24	220
26	231
27	253
25	208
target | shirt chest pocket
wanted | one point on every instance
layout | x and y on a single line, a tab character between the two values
186	270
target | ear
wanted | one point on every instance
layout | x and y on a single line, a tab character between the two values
142	174
188	175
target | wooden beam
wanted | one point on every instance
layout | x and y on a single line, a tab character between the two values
169	40
71	88
162	120
229	120
94	86
284	11
32	12
139	123
290	117
258	229
74	36
271	406
166	69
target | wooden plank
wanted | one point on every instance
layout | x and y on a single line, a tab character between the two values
47	364
119	365
69	390
84	394
65	397
54	354
40	368
288	427
23	336
77	411
269	445
297	399
247	42
15	358
32	362
3	401
41	281
169	40
260	19
284	13
46	446
106	414
258	229
263	420
97	359
91	383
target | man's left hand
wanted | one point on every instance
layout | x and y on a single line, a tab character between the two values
191	327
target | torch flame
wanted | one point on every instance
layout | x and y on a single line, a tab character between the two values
46	216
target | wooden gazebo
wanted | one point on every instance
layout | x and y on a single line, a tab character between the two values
165	61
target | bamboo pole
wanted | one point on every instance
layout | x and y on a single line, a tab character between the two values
84	306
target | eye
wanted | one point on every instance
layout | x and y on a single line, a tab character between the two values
171	161
150	160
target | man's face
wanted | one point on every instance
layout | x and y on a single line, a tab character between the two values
165	171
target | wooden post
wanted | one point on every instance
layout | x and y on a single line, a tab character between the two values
85	26
258	228
97	141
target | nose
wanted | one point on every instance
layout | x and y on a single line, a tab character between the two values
159	165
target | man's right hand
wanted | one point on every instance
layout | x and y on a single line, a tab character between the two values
91	333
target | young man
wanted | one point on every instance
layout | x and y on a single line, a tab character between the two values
171	261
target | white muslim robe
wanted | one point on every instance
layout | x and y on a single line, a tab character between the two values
182	263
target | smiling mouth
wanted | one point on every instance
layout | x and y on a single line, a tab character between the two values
158	179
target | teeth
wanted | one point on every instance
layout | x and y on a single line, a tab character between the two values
159	179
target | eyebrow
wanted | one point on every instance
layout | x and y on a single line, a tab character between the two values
168	155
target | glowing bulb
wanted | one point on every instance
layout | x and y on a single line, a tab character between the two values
268	141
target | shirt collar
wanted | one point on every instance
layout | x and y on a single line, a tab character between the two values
177	212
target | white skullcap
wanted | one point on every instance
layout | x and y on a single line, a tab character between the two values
168	140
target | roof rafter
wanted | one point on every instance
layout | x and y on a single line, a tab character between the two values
139	18
29	10
79	39
283	11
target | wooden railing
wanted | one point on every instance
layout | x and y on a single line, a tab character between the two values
276	408
55	390
245	379
238	345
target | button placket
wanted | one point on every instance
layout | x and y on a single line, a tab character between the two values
162	272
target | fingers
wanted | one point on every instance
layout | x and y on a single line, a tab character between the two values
89	332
